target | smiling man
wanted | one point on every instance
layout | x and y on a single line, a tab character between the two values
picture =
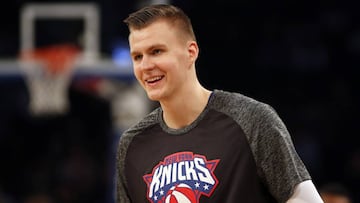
200	145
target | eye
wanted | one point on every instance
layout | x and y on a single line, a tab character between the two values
137	57
156	51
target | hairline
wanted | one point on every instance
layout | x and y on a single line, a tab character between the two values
172	15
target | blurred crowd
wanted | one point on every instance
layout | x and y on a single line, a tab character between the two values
55	158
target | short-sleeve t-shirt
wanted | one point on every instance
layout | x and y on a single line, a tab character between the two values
237	150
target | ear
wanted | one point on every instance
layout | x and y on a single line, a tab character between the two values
193	50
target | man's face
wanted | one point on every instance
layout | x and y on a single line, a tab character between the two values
161	60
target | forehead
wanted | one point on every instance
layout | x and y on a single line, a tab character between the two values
156	27
157	32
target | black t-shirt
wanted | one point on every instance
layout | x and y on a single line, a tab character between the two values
237	150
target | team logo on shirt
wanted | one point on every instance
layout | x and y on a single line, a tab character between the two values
181	177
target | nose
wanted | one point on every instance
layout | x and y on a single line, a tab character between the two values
147	63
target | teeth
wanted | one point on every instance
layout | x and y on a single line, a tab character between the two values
153	79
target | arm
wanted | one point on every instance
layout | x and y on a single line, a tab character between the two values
305	192
281	167
121	193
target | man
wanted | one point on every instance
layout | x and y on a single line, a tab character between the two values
200	145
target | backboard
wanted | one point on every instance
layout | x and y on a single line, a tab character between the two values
113	75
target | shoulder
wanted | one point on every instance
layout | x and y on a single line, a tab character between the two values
148	121
240	106
252	115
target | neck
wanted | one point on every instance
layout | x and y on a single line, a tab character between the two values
183	109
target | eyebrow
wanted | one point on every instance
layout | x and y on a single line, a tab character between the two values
152	47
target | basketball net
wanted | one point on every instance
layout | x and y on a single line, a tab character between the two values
48	72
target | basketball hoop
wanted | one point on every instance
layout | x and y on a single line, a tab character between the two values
48	72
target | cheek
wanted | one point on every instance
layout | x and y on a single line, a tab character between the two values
137	74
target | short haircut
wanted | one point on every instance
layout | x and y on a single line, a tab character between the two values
151	13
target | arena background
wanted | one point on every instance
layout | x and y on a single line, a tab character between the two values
301	57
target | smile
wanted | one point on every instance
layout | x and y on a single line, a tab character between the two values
154	79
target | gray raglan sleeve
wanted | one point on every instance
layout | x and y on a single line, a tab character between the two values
279	165
121	193
124	143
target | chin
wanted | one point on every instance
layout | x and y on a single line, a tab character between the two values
153	97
